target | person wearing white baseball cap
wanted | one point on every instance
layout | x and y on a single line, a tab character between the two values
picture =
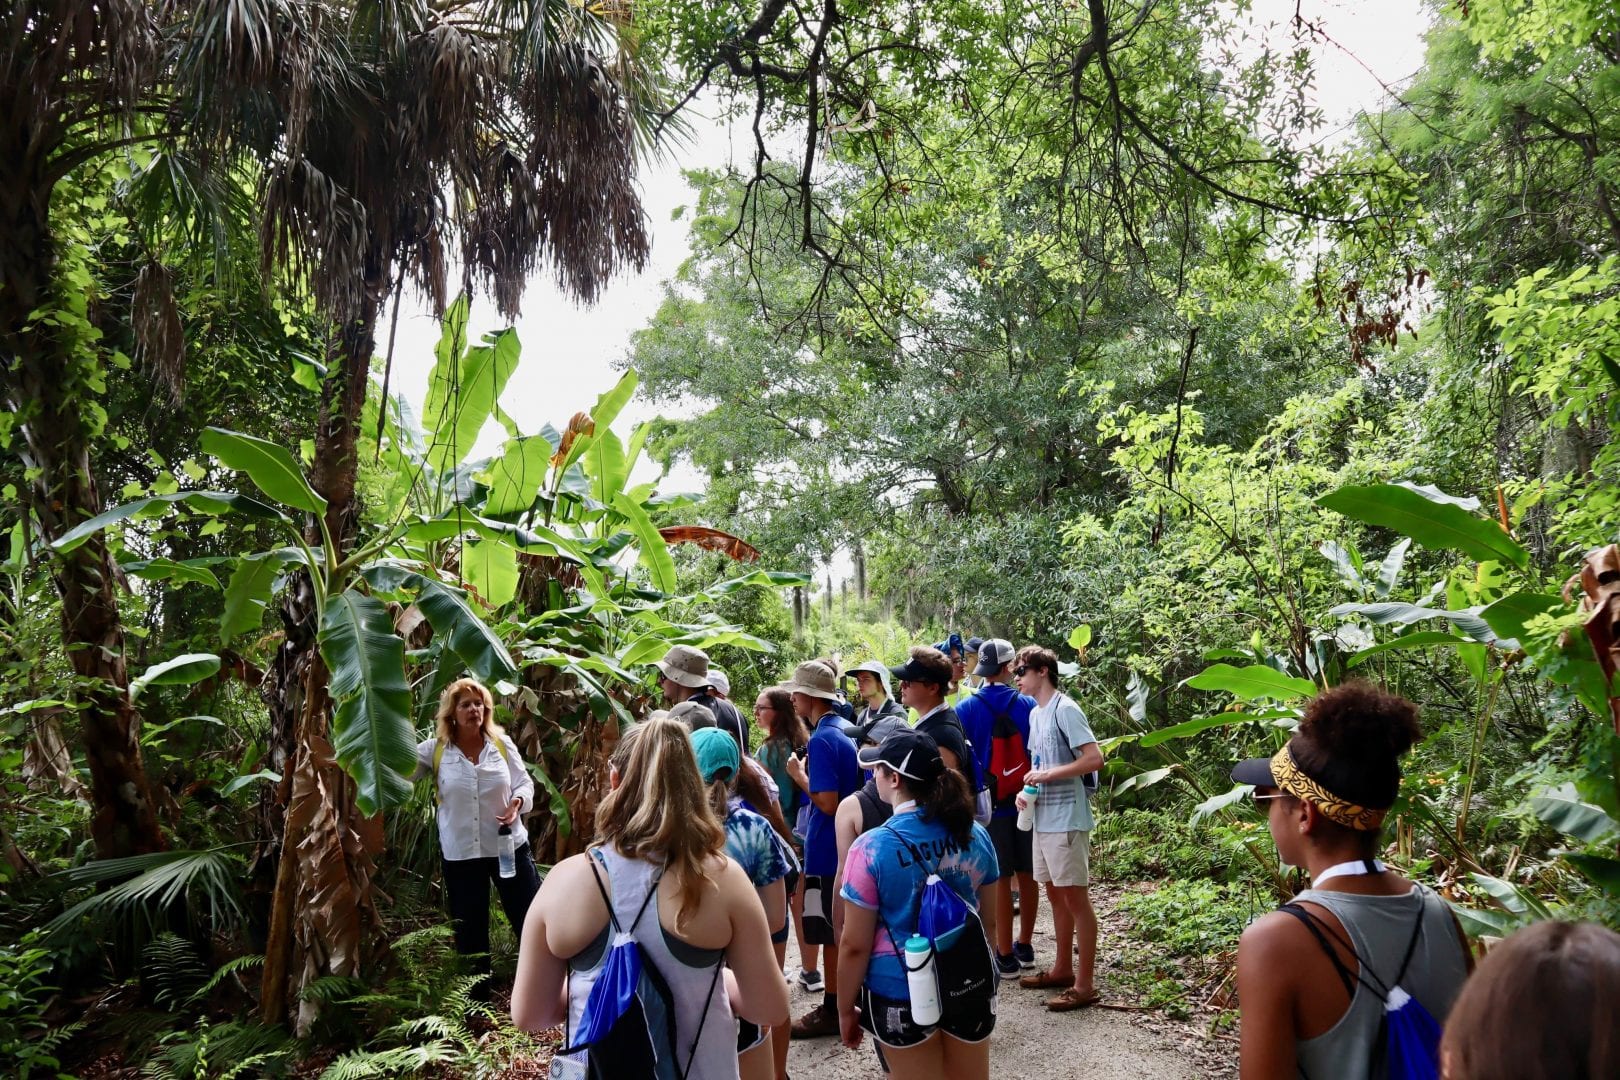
720	683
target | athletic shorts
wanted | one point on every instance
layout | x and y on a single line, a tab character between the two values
1063	858
889	1021
1015	852
818	902
749	1035
790	885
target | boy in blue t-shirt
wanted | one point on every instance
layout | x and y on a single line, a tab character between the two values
830	774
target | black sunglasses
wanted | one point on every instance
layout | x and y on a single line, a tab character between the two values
1020	669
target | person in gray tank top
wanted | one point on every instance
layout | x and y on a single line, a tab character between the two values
1305	973
658	844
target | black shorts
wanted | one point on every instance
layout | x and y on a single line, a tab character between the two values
790	885
749	1035
818	902
1015	849
889	1021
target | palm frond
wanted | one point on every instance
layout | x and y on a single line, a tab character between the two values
148	885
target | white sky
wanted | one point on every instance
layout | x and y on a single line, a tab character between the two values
569	350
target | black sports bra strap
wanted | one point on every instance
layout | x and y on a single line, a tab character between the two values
1417	932
1346	976
591	857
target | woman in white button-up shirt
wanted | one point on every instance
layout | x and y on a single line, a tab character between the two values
482	785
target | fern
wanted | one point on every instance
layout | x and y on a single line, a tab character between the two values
397	1061
234	1048
172	969
226	970
148	885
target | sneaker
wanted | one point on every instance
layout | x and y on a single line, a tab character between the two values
1007	966
1025	953
818	1022
811	981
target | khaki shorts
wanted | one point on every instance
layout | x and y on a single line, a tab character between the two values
1063	858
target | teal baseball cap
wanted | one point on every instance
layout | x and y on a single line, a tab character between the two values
717	755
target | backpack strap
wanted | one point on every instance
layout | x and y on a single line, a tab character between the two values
593	855
1320	931
704	1019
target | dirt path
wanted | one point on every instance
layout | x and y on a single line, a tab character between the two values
1099	1043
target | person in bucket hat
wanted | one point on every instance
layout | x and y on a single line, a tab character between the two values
828	775
1325	795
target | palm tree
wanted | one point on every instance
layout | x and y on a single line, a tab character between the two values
384	139
395	139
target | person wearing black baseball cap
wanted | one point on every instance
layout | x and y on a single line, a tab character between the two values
1307	1009
932	832
925	679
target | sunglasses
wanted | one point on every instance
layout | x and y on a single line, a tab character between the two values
1021	670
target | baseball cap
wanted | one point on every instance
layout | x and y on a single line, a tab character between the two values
694	715
912	671
717	754
720	681
908	752
994	655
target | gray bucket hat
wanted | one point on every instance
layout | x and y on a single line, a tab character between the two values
685	665
813	678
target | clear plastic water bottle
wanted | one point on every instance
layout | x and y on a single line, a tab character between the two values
507	853
921	981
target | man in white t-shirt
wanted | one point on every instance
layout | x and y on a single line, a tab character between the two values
1063	750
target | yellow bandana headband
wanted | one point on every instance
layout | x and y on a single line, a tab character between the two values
1291	779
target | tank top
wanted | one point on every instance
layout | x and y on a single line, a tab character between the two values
1380	928
874	811
689	970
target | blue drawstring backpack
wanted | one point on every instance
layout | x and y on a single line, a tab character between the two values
627	1028
1408	1042
964	967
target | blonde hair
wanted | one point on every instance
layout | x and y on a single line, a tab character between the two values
452	697
661	808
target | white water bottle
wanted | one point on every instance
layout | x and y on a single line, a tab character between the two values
1026	816
921	981
506	854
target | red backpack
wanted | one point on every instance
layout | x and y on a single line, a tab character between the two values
1009	758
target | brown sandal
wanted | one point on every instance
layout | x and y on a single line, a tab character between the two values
1045	980
1073	999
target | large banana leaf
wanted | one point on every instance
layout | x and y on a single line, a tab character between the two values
207	502
467	635
1431	517
1252	683
1395	614
654	551
464	395
187	670
267	464
515	477
248	594
605	464
1564	809
490	567
372	733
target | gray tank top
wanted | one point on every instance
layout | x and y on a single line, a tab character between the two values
689	970
1380	928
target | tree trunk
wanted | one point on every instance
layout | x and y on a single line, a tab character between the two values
319	846
40	389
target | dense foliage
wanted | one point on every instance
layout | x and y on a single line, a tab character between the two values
1065	324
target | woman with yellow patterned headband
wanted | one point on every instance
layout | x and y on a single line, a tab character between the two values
1307	975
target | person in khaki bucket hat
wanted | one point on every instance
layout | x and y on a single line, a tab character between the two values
685	666
815	679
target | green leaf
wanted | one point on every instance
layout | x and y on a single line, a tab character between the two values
555	799
372	734
654	551
1600	870
1255	683
1564	810
515	478
1080	637
610	404
467	635
1510	616
268	465
1345	563
464	405
188	572
490	567
1144	779
1219	802
1429	517
1195	725
187	670
1136	698
237	783
1512	897
1390	569
1387	614
605	465
207	502
1423	640
248	594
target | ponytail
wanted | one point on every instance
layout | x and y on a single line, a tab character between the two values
945	800
719	793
